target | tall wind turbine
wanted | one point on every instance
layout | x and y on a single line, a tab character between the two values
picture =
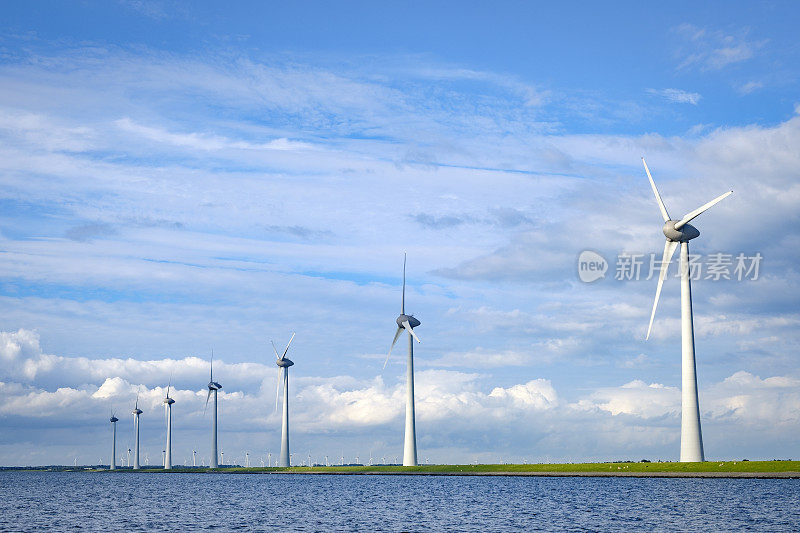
681	232
168	415
283	372
136	412
408	323
213	386
114	420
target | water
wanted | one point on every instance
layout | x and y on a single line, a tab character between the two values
33	501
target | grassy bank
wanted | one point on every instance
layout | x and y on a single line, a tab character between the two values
719	467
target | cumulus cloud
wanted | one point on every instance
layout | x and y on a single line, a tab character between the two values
635	398
451	405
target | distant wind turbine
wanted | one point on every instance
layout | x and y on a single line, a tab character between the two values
136	412
168	415
114	420
283	373
680	231
214	387
408	323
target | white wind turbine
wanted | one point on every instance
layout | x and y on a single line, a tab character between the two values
114	420
168	415
214	387
283	372
136	412
680	231
408	323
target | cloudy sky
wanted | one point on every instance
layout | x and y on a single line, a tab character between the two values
178	179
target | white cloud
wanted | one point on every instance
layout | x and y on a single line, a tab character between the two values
452	407
677	96
199	141
713	49
635	398
750	87
772	403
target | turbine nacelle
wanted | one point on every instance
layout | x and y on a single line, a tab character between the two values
213	385
686	232
114	419
169	401
284	363
413	322
137	411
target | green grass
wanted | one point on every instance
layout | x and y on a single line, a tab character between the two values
765	467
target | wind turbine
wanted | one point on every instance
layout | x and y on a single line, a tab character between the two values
114	420
408	323
681	232
168	415
136	412
194	457
283	371
213	386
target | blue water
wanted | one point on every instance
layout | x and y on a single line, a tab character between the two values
34	501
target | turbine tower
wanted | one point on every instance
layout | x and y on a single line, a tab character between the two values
213	386
681	232
283	372
168	415
408	323
114	420
136	412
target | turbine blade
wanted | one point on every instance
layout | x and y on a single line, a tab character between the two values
686	218
655	191
274	349
410	330
403	300
211	377
394	341
207	398
669	249
287	347
278	388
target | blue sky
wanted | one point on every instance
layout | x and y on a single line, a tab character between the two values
178	179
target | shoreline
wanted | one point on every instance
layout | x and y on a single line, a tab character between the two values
708	475
776	469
